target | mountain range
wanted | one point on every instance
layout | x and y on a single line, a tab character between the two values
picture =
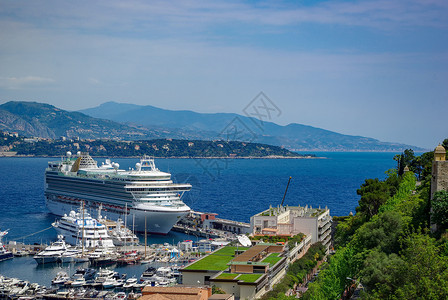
122	121
296	137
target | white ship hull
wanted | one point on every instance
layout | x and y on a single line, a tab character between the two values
158	220
137	194
48	260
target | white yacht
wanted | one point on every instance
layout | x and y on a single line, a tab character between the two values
76	255
143	193
119	233
4	254
80	229
102	256
52	253
60	278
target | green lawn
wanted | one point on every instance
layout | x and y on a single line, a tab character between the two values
272	259
227	276
229	250
216	261
249	277
211	262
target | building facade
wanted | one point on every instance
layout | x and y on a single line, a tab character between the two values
292	220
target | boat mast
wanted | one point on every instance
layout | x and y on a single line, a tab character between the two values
133	228
82	235
145	236
125	224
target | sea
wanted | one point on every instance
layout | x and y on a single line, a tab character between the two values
235	189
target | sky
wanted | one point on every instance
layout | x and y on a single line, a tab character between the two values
371	68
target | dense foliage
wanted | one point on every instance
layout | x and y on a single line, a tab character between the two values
8	140
297	272
156	148
387	245
439	206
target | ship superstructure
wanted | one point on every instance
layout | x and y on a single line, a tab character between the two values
137	194
4	254
79	228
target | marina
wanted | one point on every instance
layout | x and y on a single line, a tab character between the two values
143	195
36	232
26	268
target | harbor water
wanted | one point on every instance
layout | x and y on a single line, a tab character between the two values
233	188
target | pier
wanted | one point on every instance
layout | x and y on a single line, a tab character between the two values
20	249
209	226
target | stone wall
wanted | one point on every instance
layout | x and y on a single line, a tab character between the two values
439	180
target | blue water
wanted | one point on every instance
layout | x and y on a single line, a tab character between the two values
234	189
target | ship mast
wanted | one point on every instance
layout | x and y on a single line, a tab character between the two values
83	226
125	224
133	228
145	236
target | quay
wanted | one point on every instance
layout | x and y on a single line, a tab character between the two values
19	249
209	226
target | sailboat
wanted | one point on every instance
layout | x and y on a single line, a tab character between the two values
146	259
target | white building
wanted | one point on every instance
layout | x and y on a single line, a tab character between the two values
292	220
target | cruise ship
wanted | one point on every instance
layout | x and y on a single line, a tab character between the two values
144	195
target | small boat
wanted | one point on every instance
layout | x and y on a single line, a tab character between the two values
105	273
109	283
60	278
119	282
79	281
21	252
121	296
148	274
74	255
86	273
102	256
133	296
119	233
130	282
52	253
142	285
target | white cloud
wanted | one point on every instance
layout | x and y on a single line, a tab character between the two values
94	81
214	54
145	17
24	82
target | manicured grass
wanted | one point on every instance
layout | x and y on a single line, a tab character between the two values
272	259
249	277
229	250
227	276
211	262
216	261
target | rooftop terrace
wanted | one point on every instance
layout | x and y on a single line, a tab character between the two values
217	260
298	211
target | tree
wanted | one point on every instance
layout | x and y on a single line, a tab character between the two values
439	206
382	233
380	269
424	273
374	193
407	158
445	144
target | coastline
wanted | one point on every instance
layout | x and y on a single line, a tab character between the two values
182	157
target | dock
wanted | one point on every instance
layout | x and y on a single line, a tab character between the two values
209	226
17	247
